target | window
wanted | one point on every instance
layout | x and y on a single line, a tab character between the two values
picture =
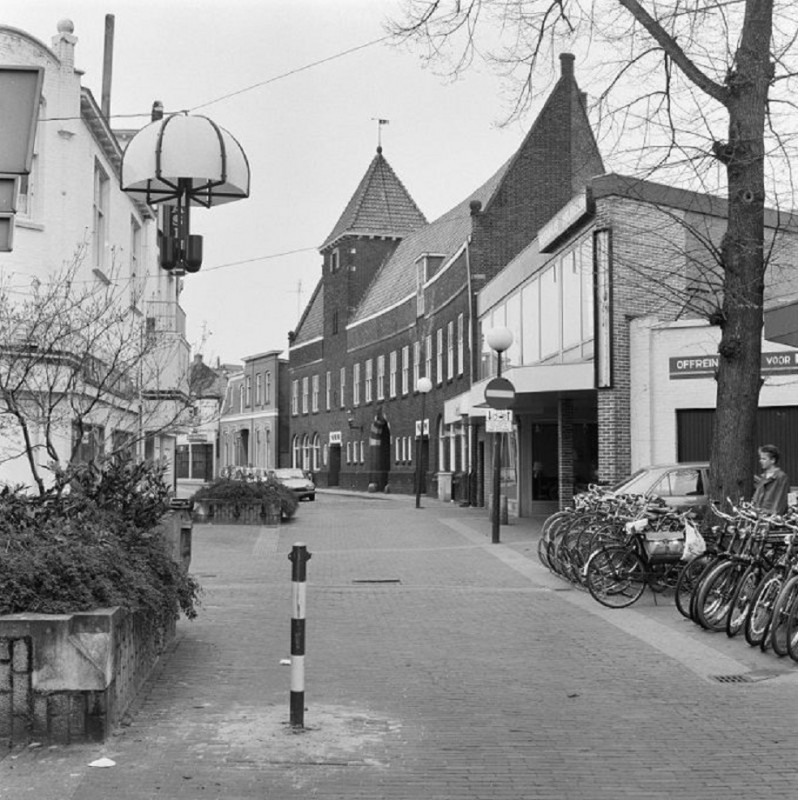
428	356
343	387
392	375
421	277
88	445
328	390
380	377
202	462
294	397
240	398
356	385
259	389
305	395
136	277
549	312
348	452
586	274
405	369
369	380
26	196
267	397
416	363
100	214
315	397
530	305
334	260
398	449
460	343
439	355
571	301
182	461
335	322
450	349
248	392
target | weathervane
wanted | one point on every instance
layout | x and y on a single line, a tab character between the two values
380	123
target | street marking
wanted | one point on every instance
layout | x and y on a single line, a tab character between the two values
699	658
266	543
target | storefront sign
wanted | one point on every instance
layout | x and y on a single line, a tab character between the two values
779	363
335	437
499	420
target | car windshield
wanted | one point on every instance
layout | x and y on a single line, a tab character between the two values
638	483
282	474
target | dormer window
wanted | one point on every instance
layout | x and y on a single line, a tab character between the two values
334	262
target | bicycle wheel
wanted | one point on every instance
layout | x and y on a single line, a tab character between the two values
756	626
688	580
779	626
715	594
741	600
792	632
616	577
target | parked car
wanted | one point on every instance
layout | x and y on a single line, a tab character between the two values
681	485
297	480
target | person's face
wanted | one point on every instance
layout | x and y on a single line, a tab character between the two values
766	460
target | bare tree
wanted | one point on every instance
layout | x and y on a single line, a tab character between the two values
76	364
669	77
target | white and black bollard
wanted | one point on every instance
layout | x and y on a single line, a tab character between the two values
299	556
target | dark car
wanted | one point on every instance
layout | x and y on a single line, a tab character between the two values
681	485
297	480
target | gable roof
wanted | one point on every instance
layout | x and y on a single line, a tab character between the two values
397	278
557	158
380	206
311	324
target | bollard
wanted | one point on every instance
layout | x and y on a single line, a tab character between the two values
298	557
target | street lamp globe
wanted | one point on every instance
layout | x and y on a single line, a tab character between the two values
499	339
424	385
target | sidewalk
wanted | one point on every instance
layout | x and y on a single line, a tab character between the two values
439	666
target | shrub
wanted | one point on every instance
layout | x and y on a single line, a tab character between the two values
242	490
93	541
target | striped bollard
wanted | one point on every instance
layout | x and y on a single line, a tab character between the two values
299	556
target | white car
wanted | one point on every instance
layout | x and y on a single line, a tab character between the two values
297	480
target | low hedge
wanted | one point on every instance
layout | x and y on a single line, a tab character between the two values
92	541
245	490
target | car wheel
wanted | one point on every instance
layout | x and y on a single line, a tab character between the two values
311	497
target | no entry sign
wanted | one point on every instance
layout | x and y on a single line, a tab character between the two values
499	393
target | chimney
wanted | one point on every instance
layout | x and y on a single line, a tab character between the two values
157	111
567	64
64	44
108	66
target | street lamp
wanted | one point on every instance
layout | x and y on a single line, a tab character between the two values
423	387
499	339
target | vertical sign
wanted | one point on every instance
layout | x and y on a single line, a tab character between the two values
603	306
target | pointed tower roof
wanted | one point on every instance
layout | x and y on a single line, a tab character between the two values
380	206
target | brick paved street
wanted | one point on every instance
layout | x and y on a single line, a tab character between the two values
439	667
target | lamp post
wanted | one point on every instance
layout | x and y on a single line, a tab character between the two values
499	339
423	387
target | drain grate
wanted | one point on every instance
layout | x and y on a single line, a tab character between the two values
731	678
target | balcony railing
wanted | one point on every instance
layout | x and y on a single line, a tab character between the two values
166	317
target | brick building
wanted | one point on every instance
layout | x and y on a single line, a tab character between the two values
396	302
612	362
253	432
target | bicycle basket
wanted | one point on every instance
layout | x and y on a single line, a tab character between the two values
664	545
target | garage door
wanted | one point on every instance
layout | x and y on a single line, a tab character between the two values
775	425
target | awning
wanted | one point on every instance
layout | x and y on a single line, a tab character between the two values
781	324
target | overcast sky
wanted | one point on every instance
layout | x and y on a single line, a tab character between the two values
309	136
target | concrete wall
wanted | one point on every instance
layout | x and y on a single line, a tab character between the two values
68	678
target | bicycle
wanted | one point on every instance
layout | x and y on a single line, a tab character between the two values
617	575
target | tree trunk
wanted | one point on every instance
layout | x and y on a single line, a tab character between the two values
740	348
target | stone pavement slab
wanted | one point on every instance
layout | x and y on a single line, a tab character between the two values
438	666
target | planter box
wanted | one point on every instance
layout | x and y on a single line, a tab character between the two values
70	677
226	512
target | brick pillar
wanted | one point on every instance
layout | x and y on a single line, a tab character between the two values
615	458
565	450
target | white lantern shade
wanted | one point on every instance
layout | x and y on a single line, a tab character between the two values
189	156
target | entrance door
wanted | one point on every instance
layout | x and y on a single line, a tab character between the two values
333	476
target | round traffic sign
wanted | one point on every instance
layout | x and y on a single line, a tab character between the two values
499	393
